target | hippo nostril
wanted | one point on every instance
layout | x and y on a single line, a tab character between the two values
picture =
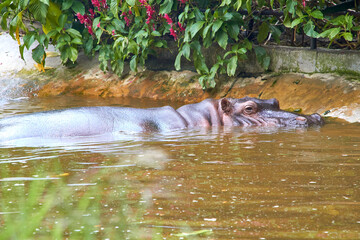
301	120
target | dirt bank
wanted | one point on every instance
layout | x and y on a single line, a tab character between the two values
335	95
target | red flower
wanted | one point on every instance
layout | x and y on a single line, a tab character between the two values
143	2
96	3
149	12
81	18
168	19
87	21
92	14
181	27
304	3
173	33
90	30
127	20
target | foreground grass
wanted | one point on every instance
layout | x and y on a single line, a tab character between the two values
50	208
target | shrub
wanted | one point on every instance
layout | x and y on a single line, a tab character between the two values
131	30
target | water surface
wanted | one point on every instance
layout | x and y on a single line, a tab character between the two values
209	184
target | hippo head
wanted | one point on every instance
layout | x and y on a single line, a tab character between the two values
258	112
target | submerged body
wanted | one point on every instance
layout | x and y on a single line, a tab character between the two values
88	121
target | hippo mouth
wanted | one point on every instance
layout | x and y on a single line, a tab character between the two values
297	121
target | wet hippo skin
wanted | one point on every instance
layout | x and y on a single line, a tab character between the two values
87	121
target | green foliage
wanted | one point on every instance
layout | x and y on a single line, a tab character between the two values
131	30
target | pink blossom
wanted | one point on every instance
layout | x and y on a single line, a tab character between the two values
304	3
173	33
181	27
104	4
149	12
143	2
90	30
96	3
168	19
183	1
113	32
127	20
130	12
98	25
92	14
87	21
81	18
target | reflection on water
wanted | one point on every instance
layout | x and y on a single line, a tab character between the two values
228	183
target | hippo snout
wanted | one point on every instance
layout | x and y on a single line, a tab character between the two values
316	119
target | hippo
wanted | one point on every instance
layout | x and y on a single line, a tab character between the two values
88	121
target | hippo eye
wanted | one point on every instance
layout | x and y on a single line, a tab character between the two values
249	109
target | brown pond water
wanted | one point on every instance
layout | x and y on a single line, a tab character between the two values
216	184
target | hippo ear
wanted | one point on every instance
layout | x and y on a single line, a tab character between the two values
226	106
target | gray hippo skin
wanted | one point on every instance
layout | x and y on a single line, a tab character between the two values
87	121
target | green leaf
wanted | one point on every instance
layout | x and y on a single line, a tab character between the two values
232	65
225	3
248	5
133	47
74	33
216	26
317	14
76	41
166	6
131	2
73	54
64	56
238	4
118	25
264	30
199	63
195	28
233	30
29	39
206	30
88	46
186	50
155	34
45	2
114	7
21	50
356	29
296	22
62	20
291	6
309	29
133	63
262	57
222	39
287	21
276	33
199	15
38	53
348	36
66	4
178	61
78	7
39	10
4	20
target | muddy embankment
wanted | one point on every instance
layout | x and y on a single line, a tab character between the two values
335	95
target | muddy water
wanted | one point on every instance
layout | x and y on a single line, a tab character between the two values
215	184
